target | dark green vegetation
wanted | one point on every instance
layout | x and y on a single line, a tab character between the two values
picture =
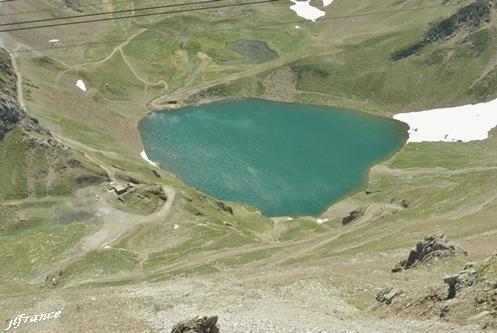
254	50
31	161
470	16
37	168
40	167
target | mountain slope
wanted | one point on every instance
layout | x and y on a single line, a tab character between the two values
160	62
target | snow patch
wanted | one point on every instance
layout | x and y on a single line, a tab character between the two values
81	85
54	40
144	156
463	123
305	10
176	227
321	221
326	3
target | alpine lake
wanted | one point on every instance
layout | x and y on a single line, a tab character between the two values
285	159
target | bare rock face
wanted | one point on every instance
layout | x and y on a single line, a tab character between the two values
481	276
434	246
473	293
466	278
11	115
388	295
353	215
471	297
197	325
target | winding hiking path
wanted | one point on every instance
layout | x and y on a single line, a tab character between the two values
138	77
115	224
119	49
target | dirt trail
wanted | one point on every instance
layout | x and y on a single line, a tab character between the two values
492	64
15	66
297	248
381	168
307	245
18	202
84	150
157	102
103	60
160	82
115	224
313	247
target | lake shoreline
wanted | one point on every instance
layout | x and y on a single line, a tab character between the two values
402	128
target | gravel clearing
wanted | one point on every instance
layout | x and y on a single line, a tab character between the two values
256	306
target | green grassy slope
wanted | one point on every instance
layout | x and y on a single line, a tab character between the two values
188	59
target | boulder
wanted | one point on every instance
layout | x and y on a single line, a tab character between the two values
353	215
482	276
197	325
224	207
466	278
387	295
53	279
434	246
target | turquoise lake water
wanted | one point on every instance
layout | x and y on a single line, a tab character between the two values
285	159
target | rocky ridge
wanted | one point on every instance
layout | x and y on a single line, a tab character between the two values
434	246
471	297
11	113
197	325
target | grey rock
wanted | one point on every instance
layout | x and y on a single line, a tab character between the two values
12	115
225	207
197	325
353	215
434	246
388	295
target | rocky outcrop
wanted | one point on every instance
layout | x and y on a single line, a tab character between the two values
353	215
197	325
466	278
473	293
474	275
470	16
221	205
471	297
388	295
11	114
434	246
8	77
53	279
74	5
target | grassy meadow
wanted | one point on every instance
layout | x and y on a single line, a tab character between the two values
133	66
